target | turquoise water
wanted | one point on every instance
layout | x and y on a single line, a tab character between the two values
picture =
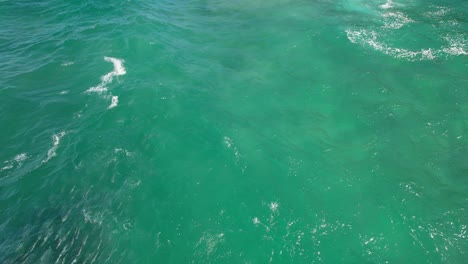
248	131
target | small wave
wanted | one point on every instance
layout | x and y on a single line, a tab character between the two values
20	157
454	50
255	221
393	20
370	38
273	206
387	5
52	151
106	79
7	167
441	11
396	20
230	144
208	243
67	63
119	69
121	150
133	183
457	45
114	103
17	160
93	218
97	89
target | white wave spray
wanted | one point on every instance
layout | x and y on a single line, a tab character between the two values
114	103
53	150
18	160
106	79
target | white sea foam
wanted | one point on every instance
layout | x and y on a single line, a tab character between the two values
20	157
427	54
441	11
52	151
208	243
121	150
365	37
454	50
7	167
67	63
97	89
396	20
119	69
255	221
450	23
230	144
457	45
17	160
274	206
375	37
106	79
114	103
370	38
93	218
387	5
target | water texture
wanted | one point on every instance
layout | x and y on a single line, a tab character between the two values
245	131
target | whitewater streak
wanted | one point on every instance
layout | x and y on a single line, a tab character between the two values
52	151
106	79
115	101
456	44
17	160
370	38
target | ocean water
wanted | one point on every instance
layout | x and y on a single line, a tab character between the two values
234	131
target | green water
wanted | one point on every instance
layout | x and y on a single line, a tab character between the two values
248	131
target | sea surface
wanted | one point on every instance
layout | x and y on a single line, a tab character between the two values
234	131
